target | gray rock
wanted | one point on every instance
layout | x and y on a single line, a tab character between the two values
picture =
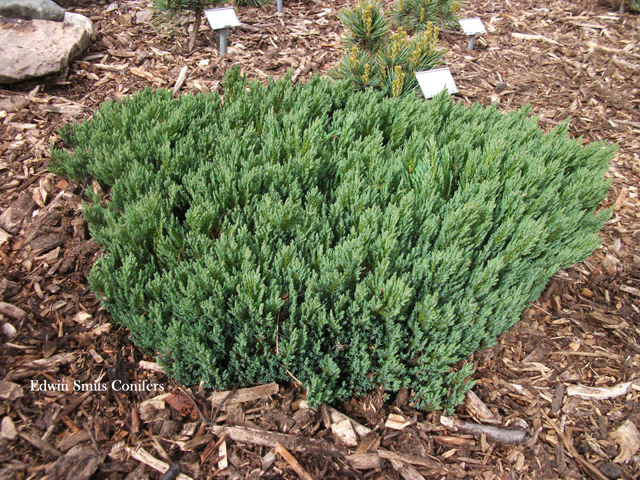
31	9
35	48
81	21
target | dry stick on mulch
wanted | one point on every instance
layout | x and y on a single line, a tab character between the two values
229	395
243	395
599	393
41	444
293	463
32	368
455	441
494	434
406	471
211	449
71	407
412	459
296	443
320	447
151	461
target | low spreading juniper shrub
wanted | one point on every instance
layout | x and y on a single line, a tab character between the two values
350	240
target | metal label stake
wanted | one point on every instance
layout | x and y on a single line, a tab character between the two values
279	3
472	27
472	39
223	40
222	19
432	82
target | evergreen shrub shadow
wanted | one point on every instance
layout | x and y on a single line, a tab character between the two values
348	239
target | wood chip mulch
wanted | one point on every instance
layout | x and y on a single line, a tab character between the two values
557	397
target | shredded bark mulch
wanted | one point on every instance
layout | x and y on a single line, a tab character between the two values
557	397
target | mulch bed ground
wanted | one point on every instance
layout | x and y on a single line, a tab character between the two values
574	59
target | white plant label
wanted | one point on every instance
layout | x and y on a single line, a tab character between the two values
432	82
220	18
472	26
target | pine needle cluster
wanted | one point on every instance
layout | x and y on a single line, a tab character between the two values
415	15
366	26
377	58
350	239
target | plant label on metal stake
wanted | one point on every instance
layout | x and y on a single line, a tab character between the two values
432	82
222	19
279	4
472	27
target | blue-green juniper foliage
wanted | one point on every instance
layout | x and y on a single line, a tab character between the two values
352	239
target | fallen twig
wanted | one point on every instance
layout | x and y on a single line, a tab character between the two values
494	434
293	463
211	449
182	76
406	471
526	36
49	365
612	356
41	444
455	441
217	410
72	406
269	439
144	457
412	459
599	393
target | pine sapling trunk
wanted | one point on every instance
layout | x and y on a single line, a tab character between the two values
194	32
